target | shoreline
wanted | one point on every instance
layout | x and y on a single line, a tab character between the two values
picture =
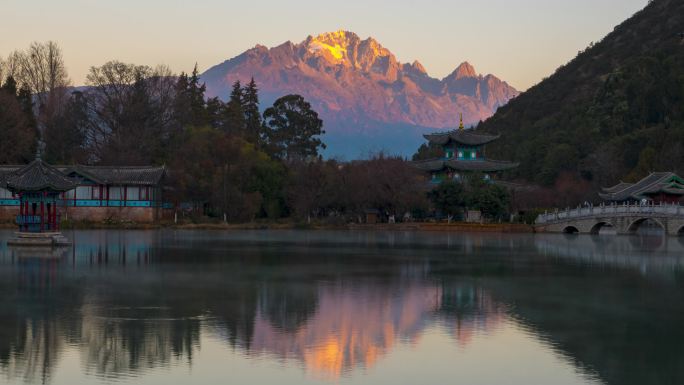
414	226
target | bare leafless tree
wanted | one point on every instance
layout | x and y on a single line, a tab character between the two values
10	65
132	108
41	68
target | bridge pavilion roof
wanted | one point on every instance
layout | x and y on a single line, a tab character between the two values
655	183
460	136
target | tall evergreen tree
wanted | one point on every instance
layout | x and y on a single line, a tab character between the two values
250	107
196	99
233	119
18	135
181	110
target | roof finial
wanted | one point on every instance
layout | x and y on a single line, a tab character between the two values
460	124
40	148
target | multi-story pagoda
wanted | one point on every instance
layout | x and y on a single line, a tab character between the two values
464	153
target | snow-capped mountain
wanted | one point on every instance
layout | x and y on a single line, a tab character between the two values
368	100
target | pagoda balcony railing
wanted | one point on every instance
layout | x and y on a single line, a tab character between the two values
612	210
28	219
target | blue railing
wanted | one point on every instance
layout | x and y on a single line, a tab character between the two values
96	203
28	219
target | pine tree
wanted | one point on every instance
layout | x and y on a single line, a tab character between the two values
181	106
196	99
233	119
10	85
25	99
250	107
16	130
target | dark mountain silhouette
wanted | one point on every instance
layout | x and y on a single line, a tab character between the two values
614	112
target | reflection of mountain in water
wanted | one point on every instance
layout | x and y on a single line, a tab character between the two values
132	302
129	312
355	325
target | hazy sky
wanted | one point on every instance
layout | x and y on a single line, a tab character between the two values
520	41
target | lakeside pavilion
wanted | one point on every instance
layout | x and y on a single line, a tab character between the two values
464	153
94	193
38	187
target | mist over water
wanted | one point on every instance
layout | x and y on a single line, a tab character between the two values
298	307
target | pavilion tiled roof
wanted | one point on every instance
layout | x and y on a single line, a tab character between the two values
654	183
38	176
106	175
117	175
487	165
460	136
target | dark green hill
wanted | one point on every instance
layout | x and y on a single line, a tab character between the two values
614	112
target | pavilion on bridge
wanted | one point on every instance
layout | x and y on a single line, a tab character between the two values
464	153
666	187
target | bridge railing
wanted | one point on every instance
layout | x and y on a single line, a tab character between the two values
666	209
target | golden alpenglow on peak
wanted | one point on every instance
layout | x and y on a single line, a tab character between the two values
336	43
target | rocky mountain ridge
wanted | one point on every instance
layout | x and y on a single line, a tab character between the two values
360	88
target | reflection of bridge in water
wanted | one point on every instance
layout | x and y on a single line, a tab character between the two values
648	253
625	219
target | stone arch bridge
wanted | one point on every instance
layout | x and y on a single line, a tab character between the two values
624	218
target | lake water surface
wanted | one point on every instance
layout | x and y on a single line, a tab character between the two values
298	307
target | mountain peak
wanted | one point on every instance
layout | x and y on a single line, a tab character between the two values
464	70
419	67
336	44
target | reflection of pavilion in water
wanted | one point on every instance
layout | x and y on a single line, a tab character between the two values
355	326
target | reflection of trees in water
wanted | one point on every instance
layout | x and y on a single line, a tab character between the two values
36	318
288	305
34	350
146	306
127	339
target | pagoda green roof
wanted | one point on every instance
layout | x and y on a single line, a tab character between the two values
462	136
487	165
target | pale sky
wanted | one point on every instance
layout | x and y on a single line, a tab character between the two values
521	41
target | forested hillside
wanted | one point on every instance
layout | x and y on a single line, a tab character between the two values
614	112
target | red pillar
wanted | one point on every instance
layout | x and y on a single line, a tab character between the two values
42	214
21	212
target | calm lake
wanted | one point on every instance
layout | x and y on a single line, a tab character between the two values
298	307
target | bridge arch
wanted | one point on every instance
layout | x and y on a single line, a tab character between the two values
596	228
680	232
634	226
570	230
